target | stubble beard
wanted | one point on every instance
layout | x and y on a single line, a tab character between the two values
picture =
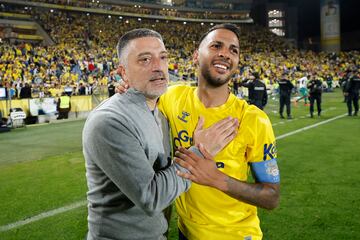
214	81
156	93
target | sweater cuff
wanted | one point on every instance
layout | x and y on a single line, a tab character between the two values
187	182
196	151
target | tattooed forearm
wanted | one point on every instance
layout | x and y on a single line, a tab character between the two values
265	195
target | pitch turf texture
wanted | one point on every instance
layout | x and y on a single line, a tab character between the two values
42	169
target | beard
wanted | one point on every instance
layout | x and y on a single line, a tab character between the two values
212	80
154	93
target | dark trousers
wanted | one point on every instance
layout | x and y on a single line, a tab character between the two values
181	236
352	99
285	101
314	98
63	113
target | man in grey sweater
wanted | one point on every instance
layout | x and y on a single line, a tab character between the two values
123	144
129	171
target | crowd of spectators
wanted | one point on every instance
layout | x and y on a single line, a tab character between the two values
157	11
84	58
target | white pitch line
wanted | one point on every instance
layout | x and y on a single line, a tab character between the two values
83	203
42	216
301	117
309	127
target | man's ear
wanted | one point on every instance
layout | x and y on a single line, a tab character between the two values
195	57
122	72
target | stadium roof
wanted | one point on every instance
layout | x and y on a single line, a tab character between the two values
193	5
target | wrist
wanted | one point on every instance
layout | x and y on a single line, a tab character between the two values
221	182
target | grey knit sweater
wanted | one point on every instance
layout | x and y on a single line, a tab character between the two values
126	150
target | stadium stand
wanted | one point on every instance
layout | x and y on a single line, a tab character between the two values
83	55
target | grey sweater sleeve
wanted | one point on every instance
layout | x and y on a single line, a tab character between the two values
114	147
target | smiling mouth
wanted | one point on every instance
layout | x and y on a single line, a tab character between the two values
221	66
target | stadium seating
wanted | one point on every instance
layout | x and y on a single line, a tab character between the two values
84	52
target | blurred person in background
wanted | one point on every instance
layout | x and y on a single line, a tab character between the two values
285	89
257	91
64	106
351	92
315	91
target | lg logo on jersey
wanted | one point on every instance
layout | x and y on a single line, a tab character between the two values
182	137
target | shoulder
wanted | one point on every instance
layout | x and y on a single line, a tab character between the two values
255	118
106	109
179	89
176	91
241	104
109	117
244	111
119	106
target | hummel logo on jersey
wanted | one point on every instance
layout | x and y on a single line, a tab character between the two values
184	115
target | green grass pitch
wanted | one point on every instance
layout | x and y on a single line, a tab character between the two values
42	168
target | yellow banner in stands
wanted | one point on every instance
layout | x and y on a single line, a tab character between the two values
78	104
14	15
23	26
81	103
29	37
5	106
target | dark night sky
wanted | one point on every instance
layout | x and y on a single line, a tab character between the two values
309	16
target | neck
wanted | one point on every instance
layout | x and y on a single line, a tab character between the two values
151	103
212	96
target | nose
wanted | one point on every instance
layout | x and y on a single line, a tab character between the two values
156	64
224	53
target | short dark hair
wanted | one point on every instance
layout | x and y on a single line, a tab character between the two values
256	75
134	34
228	26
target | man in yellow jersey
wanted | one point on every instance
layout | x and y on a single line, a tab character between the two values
220	203
226	209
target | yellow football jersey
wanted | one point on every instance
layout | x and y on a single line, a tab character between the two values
205	212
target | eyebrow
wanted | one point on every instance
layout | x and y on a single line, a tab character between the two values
219	42
149	53
234	46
